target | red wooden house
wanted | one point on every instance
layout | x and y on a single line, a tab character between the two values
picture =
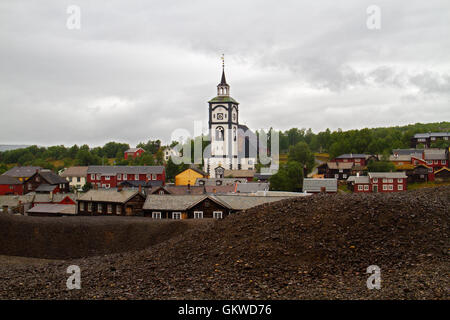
380	182
112	176
10	186
356	158
133	153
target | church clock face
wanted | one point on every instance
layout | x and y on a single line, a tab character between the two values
220	116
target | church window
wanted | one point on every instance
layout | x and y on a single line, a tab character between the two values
219	134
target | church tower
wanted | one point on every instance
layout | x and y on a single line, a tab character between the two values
223	129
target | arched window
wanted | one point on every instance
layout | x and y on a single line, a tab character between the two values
234	133
219	134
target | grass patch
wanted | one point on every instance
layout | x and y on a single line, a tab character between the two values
429	184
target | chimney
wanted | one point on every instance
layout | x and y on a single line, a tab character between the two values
140	188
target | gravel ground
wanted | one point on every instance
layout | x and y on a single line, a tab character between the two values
308	248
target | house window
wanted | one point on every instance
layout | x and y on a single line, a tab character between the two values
366	188
107	178
119	176
336	176
344	176
99	207
89	207
92	176
99	177
109	208
400	187
429	161
201	183
217	214
156	215
400	180
390	180
443	162
391	187
154	177
124	176
78	179
384	187
136	177
176	215
375	180
118	210
198	214
436	161
360	188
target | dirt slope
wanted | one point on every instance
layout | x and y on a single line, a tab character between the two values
307	248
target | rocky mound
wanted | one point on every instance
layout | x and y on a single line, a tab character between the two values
305	248
75	237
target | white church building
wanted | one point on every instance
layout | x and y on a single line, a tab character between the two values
233	146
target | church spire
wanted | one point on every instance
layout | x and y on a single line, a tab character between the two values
223	89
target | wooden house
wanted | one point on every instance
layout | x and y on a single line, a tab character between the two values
46	181
327	185
111	202
428	138
185	207
111	176
380	182
10	186
241	174
133	153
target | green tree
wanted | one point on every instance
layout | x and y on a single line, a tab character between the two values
302	154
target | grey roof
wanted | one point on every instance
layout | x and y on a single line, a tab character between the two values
252	187
400	157
103	195
340	165
407	151
237	202
22	171
9	180
315	185
54	209
240	173
390	175
45	187
176	202
224	181
351	156
113	170
359	180
45	197
144	184
75	172
13	201
435	154
432	134
51	177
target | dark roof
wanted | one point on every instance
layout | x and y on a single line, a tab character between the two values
180	190
223	81
103	195
9	180
45	188
148	184
18	172
113	170
432	134
51	177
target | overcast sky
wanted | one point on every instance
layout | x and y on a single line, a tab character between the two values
137	70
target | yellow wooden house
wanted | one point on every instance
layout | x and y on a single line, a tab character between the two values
189	176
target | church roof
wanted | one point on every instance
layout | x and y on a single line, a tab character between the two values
223	99
223	81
